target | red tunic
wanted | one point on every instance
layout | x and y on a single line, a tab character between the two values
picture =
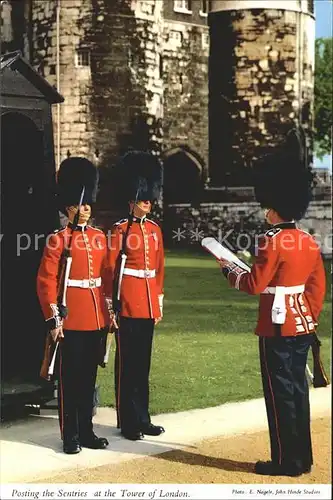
87	308
286	257
141	297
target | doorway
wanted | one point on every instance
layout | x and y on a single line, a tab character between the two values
182	176
24	214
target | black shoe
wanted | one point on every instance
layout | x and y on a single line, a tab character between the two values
72	446
152	430
132	435
95	443
273	469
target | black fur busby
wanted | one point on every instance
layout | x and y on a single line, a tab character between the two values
138	176
74	174
283	179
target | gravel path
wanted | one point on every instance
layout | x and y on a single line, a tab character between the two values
212	461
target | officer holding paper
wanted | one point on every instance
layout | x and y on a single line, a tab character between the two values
289	276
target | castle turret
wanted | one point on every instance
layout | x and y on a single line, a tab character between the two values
261	80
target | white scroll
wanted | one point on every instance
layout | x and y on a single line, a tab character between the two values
221	252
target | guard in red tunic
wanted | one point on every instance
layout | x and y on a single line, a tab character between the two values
289	276
136	275
82	329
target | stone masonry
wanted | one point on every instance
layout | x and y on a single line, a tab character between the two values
103	76
238	224
261	81
133	74
185	79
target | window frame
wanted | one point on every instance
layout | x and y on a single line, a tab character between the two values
176	36
183	9
204	13
79	55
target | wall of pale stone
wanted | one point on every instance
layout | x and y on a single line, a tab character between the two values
146	85
52	46
105	100
261	81
140	90
123	73
185	76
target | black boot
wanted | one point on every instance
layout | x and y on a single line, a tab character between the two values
71	446
272	469
70	433
94	442
152	430
132	435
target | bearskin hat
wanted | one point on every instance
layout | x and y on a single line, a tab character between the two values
138	176
283	179
74	174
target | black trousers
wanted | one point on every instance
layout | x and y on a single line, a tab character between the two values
79	357
283	369
132	366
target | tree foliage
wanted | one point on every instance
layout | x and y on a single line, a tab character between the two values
323	96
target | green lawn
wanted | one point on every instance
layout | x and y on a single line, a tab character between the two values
205	352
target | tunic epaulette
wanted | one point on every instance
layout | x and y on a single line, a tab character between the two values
56	231
273	232
121	221
153	222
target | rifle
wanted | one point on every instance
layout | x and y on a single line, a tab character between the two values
50	354
116	303
120	265
51	347
319	377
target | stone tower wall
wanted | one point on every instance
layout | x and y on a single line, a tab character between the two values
141	87
134	73
261	81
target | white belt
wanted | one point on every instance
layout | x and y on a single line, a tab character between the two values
288	290
140	273
279	310
92	283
